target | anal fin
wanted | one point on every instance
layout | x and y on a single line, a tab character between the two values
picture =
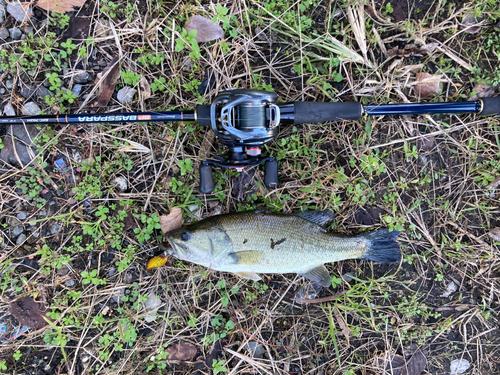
319	275
249	275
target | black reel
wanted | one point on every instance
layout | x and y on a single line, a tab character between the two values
243	120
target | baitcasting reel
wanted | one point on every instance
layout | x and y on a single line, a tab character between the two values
243	120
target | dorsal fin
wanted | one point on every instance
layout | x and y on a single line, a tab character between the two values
322	218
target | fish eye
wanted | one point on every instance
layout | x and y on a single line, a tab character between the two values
185	236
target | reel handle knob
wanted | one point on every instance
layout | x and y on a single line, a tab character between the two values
207	185
271	174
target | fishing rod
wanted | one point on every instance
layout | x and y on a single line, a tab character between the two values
246	119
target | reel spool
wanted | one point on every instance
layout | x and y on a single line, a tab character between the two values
243	120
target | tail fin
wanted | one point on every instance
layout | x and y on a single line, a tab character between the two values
382	246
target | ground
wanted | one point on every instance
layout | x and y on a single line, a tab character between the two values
77	243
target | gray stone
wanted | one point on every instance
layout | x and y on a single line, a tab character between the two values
9	84
54	228
22	216
15	34
31	109
2	13
126	94
43	91
28	30
8	110
16	231
20	13
18	142
70	283
2	91
4	33
82	77
77	89
21	239
27	92
121	183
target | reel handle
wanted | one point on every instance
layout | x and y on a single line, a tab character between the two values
207	185
271	174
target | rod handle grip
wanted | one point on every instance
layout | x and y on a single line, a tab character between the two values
312	112
207	185
203	115
491	106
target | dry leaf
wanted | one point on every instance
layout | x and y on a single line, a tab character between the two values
183	351
483	90
61	6
412	49
171	221
399	365
425	143
427	85
28	312
144	89
495	233
472	24
108	84
342	325
207	30
79	27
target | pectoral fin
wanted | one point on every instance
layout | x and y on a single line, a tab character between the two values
247	257
319	275
249	275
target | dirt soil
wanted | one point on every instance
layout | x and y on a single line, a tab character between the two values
80	205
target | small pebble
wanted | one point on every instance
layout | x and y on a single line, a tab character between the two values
8	110
28	30
42	213
77	89
31	109
27	92
126	94
120	183
43	92
4	33
51	203
46	194
16	231
20	13
2	91
2	13
54	228
69	283
459	366
22	216
82	77
129	277
9	84
22	237
15	34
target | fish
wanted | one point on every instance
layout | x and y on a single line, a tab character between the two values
250	243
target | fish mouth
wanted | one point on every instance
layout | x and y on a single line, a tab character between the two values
178	250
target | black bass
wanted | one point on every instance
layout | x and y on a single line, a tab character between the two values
253	242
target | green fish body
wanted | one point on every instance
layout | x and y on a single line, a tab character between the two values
253	242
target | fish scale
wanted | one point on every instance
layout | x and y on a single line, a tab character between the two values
305	244
252	242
